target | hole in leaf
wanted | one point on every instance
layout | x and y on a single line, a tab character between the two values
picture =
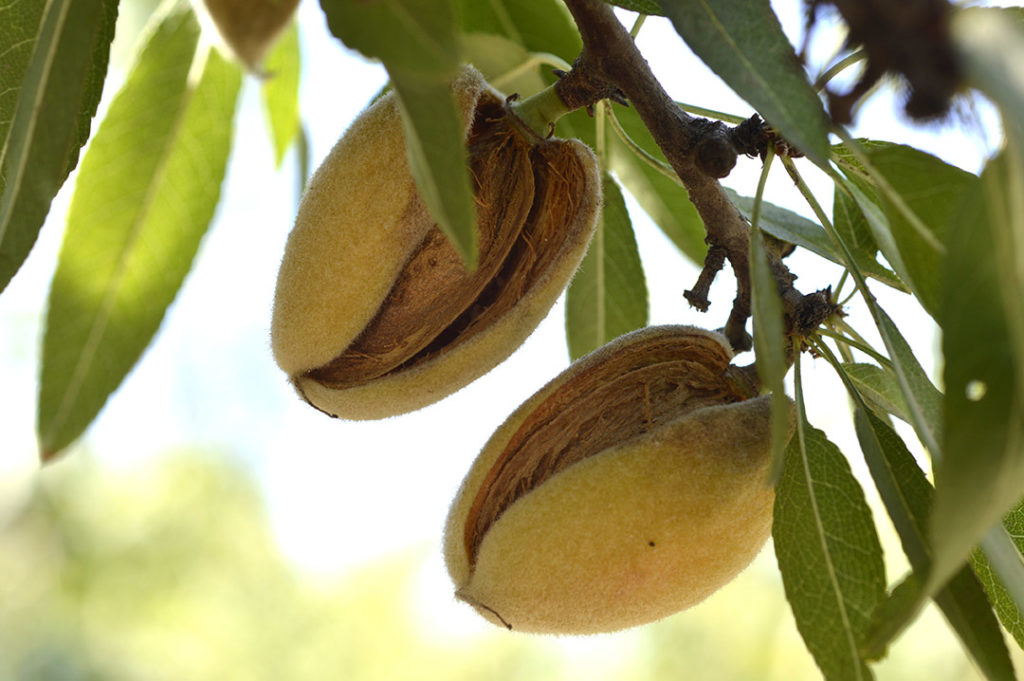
975	390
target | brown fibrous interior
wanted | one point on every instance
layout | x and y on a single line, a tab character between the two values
630	393
527	197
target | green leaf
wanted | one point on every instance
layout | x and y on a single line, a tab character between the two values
414	36
981	474
879	388
770	346
969	613
642	6
901	483
853	228
793	228
907	495
506	64
743	43
932	190
421	65
1009	614
991	42
769	332
664	200
537	25
828	553
862	196
54	62
923	401
434	141
281	91
608	295
897	610
18	34
145	194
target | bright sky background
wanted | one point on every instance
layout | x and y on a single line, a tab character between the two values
341	493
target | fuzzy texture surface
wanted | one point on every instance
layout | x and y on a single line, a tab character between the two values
358	226
636	532
359	221
435	379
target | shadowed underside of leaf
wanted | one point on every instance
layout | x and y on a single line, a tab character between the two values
907	495
981	471
932	190
981	475
144	197
608	295
53	61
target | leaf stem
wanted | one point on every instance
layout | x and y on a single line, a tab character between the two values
859	344
536	59
711	113
645	156
637	25
849	60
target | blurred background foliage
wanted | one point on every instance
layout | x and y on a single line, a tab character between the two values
168	570
171	566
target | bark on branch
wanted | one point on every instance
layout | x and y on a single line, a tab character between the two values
699	151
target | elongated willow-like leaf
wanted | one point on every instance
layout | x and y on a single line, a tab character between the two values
981	474
421	64
19	34
743	43
794	228
932	190
991	42
608	295
769	331
879	388
281	91
907	495
828	553
53	61
908	199
1009	613
506	64
923	399
852	226
145	194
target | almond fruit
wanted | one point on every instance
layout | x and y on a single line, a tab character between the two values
629	488
250	27
374	313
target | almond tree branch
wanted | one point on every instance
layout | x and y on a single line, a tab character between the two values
700	151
